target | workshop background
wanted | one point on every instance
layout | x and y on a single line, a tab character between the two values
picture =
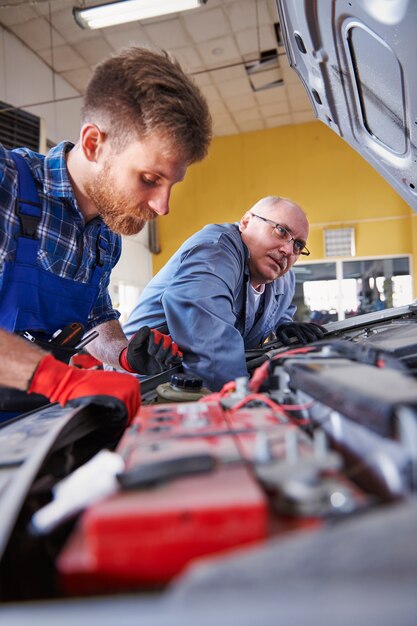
363	236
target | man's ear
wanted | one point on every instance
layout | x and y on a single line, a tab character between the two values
244	221
92	139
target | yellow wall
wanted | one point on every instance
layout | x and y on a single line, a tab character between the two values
306	162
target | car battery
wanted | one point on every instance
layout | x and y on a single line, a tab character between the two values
195	484
185	493
302	477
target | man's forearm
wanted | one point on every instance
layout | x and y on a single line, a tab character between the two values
109	344
19	359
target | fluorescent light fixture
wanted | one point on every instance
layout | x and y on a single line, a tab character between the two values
103	15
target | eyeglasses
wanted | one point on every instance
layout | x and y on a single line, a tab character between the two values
283	235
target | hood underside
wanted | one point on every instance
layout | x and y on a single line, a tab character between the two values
357	62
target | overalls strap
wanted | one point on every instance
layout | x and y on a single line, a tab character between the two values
28	209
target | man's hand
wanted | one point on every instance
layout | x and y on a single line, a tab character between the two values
60	382
150	352
299	332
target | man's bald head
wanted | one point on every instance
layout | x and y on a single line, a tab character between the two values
269	256
269	204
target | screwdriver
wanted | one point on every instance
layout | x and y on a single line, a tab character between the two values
68	336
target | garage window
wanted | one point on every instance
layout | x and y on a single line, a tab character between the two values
344	288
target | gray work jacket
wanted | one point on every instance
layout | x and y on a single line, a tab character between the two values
202	295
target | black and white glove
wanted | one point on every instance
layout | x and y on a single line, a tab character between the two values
299	332
150	352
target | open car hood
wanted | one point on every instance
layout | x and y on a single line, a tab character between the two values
357	61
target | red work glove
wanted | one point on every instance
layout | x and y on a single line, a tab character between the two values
60	382
150	352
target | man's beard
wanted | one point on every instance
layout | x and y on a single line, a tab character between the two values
120	215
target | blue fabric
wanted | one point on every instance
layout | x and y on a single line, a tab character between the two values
65	254
202	294
6	416
31	297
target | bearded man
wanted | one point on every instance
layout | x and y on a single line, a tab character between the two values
62	215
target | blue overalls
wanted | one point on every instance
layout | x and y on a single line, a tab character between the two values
31	298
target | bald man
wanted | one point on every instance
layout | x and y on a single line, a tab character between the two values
227	288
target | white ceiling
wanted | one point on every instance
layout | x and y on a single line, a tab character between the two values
213	43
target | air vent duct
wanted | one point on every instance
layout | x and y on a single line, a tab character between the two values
339	242
265	73
19	128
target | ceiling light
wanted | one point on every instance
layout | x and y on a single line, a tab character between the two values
103	15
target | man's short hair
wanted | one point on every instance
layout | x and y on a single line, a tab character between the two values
141	91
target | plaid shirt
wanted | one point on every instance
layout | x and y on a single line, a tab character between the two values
67	246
